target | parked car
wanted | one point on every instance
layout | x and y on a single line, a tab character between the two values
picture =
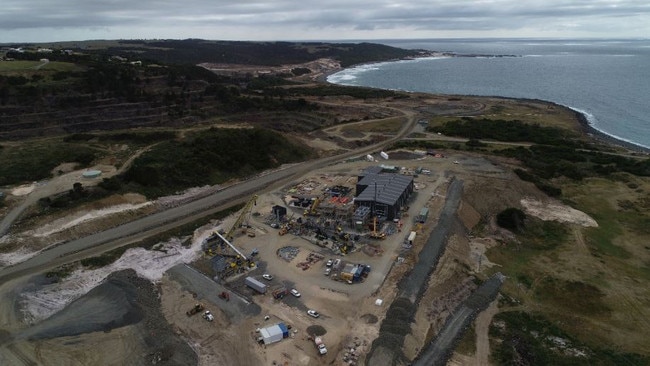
208	316
329	263
328	271
313	313
295	292
267	276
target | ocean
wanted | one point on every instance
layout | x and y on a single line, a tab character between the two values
606	80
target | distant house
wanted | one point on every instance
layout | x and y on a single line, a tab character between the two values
44	50
118	58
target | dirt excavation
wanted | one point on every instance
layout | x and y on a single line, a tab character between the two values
334	291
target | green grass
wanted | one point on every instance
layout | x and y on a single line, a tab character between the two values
572	296
532	339
31	66
33	162
467	344
601	239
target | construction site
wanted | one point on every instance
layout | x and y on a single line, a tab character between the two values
323	243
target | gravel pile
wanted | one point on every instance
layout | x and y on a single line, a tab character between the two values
123	299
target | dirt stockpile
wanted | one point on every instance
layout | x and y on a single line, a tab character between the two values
387	348
123	299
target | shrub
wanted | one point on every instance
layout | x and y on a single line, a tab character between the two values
512	219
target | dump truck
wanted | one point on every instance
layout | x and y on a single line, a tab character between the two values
256	285
195	310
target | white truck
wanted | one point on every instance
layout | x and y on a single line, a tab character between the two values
320	346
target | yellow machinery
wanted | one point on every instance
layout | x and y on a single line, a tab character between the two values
240	218
312	209
375	234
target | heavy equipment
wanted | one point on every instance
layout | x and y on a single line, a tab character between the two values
225	295
197	308
240	219
374	234
312	211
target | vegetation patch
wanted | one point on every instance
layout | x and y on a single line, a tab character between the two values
467	344
211	157
572	296
389	125
503	130
104	259
543	235
512	219
530	339
32	162
123	137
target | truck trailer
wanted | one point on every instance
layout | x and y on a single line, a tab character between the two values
256	285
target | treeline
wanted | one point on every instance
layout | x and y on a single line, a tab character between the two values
502	130
211	157
555	152
355	92
194	51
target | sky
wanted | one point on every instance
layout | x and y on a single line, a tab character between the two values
259	20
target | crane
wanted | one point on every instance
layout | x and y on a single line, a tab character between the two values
232	246
251	202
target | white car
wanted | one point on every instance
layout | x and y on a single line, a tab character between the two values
329	263
208	316
267	276
313	313
295	292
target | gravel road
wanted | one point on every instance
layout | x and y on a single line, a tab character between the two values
195	282
439	351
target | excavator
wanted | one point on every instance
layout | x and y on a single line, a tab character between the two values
312	209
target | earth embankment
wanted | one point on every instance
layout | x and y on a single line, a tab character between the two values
387	348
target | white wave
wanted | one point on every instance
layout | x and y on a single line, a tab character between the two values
344	77
593	123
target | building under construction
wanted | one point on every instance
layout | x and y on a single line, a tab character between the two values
384	194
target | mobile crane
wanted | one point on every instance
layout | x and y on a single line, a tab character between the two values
251	202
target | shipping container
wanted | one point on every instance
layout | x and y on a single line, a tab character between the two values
256	285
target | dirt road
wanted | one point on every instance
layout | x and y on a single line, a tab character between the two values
482	326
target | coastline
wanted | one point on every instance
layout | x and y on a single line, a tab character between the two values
586	127
603	137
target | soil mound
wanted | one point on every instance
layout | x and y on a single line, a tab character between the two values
316	330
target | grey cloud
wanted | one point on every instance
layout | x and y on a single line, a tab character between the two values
289	16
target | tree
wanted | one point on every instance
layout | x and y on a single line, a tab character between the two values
512	219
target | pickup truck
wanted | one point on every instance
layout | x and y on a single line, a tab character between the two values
320	346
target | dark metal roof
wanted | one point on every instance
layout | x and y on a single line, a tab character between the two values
389	187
